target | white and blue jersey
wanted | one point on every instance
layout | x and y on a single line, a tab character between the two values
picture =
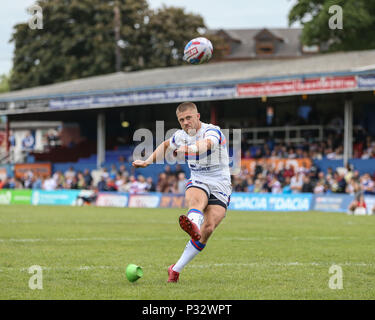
209	170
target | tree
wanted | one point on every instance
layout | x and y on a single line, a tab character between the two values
78	40
358	23
4	83
168	31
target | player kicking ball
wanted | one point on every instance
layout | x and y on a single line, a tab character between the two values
208	190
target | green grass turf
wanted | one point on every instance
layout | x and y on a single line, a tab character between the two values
252	255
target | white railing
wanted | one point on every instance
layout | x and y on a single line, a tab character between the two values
286	134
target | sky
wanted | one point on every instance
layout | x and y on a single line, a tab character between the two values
216	13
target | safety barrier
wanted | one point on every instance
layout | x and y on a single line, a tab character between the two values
239	200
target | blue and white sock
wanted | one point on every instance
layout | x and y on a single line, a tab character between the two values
196	216
191	250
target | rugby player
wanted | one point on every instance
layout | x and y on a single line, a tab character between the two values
208	190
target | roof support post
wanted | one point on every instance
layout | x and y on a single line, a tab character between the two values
213	115
100	149
348	131
7	134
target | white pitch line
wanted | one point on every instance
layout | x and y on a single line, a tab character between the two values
88	239
201	266
283	264
179	238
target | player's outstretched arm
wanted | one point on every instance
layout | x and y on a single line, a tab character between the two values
157	154
201	146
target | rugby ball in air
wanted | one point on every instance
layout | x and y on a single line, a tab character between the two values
198	50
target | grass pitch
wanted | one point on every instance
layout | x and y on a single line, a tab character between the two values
83	252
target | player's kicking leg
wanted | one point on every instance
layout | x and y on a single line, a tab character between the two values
197	201
213	215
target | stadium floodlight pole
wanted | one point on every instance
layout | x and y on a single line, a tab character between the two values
117	23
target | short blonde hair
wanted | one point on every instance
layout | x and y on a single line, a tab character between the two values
186	106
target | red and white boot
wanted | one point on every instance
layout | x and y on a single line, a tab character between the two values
172	275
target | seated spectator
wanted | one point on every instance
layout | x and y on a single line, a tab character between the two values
59	179
37	182
119	181
247	154
307	186
299	153
74	183
330	154
133	185
162	183
275	185
125	186
103	172
181	184
352	187
358	206
28	179
296	183
123	172
367	184
28	142
239	185
291	154
178	170
286	186
356	176
168	171
258	186
258	154
142	184
303	169
88	178
70	173
113	172
49	184
341	182
151	185
111	185
288	172
319	188
102	184
121	160
8	183
81	182
250	185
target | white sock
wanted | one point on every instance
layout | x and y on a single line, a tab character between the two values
196	216
191	250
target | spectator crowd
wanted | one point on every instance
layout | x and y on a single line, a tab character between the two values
264	178
331	149
116	179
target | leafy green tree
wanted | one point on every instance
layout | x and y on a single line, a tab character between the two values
358	24
168	31
78	40
4	83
